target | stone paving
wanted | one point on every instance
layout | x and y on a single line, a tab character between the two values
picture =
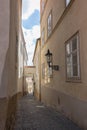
33	115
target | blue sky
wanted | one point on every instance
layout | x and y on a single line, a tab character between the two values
34	19
31	25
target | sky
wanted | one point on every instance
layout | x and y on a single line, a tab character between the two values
31	25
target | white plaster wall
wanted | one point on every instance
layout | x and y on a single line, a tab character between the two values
20	64
22	59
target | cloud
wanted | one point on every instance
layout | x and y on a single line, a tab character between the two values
30	36
29	6
34	19
31	28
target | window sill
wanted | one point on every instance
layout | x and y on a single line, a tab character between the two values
73	80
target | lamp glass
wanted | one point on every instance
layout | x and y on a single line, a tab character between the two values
49	56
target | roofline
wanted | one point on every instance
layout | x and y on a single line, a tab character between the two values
23	35
29	66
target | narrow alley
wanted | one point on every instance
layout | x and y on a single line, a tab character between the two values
33	115
43	51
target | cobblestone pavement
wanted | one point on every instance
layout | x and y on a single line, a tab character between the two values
33	115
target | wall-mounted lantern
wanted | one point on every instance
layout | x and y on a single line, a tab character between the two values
49	57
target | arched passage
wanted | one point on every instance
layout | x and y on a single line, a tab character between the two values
29	82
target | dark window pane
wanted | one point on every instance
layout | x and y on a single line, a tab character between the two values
75	70
74	44
74	59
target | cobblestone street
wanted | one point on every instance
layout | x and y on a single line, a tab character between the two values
33	115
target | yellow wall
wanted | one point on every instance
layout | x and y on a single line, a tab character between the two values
66	22
37	62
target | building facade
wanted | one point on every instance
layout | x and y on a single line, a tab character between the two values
10	31
63	32
29	83
22	62
37	64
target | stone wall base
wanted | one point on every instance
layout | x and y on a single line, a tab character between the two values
3	112
73	108
37	95
11	111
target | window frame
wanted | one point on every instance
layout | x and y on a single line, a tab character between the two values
49	32
72	53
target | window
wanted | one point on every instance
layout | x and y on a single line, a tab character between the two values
67	2
43	37
72	58
49	24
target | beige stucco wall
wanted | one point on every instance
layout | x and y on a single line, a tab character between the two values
21	43
22	61
29	72
4	60
37	63
25	55
4	44
8	66
15	32
74	19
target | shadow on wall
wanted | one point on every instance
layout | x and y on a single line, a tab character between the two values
12	90
3	89
7	104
